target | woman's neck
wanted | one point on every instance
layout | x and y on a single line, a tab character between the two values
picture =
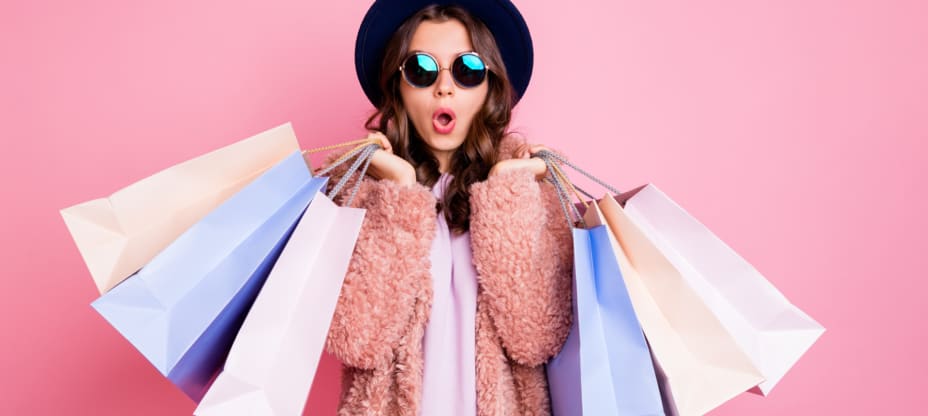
444	161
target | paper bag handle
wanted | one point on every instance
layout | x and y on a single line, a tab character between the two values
562	184
562	160
364	149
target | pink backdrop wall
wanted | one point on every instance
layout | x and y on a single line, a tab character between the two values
794	129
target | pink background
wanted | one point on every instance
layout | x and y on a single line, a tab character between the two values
794	129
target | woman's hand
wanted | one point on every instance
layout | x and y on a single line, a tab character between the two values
523	160
386	165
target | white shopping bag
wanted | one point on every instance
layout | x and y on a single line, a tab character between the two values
773	332
273	360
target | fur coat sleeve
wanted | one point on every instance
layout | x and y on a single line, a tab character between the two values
522	251
388	271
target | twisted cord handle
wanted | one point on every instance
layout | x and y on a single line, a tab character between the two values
343	158
366	152
367	156
563	160
556	177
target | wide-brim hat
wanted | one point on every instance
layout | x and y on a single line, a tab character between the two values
500	16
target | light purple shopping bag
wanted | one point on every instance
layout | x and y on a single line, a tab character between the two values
274	358
183	309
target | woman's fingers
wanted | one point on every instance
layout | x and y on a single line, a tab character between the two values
386	165
535	148
384	142
541	168
527	150
534	164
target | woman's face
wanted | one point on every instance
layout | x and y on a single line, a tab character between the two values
443	131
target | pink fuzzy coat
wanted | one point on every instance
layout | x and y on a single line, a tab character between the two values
522	252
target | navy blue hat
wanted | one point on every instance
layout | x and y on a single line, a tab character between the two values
500	16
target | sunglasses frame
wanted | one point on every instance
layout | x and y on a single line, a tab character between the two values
486	69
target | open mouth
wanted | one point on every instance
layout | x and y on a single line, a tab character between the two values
443	120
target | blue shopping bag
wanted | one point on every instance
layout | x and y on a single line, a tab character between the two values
605	367
183	309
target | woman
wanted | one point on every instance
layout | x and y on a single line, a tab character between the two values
458	290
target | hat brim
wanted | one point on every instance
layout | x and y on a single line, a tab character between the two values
500	16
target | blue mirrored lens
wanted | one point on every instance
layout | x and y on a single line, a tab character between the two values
469	70
420	70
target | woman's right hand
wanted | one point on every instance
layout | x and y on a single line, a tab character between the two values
386	165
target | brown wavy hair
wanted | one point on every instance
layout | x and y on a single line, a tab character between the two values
479	152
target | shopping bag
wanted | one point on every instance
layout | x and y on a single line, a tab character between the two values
605	367
183	309
773	332
699	365
272	362
118	234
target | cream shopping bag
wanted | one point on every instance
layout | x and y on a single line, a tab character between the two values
118	234
700	365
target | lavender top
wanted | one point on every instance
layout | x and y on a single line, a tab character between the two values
449	386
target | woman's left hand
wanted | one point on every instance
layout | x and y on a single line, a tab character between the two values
523	160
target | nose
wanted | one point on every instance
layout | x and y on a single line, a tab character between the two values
444	86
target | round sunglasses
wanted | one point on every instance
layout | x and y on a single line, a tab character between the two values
421	70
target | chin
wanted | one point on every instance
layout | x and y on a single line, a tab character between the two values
444	142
